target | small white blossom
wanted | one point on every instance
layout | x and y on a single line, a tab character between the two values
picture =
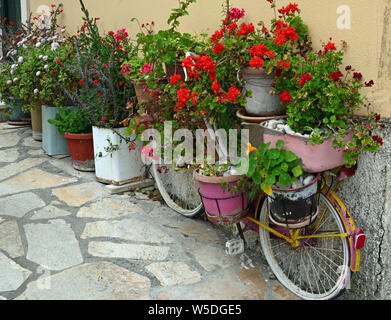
36	91
9	82
38	45
20	60
40	57
14	66
55	45
38	73
46	67
16	80
45	58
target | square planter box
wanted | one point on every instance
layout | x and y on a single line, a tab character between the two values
114	162
53	143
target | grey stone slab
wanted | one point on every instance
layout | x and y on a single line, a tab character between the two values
93	281
30	142
12	275
173	273
50	212
127	229
18	167
9	155
33	180
127	251
108	208
18	205
10	240
53	245
8	140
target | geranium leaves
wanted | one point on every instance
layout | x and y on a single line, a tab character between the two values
269	166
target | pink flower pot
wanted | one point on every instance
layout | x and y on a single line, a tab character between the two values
221	206
318	158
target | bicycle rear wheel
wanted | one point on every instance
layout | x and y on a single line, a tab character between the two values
319	268
178	189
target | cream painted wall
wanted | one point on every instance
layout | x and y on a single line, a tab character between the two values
369	38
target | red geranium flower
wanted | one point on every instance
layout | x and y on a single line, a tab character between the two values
335	76
175	78
256	62
216	87
305	78
219	47
233	93
330	46
285	96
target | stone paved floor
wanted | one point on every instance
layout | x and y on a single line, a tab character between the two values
62	236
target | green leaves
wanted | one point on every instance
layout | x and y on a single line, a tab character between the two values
267	166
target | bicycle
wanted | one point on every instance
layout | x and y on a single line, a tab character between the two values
314	262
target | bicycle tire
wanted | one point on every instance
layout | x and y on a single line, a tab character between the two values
323	264
182	206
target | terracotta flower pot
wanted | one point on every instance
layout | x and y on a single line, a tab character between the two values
144	93
81	149
221	207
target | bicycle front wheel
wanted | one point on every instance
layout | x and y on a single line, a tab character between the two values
178	189
317	269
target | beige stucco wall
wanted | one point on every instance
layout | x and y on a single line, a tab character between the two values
369	38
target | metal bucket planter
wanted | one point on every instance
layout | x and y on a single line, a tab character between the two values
53	143
318	158
81	149
115	162
294	208
221	206
261	104
36	123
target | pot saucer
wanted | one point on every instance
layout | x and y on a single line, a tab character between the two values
241	114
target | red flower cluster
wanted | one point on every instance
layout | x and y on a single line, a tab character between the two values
378	140
175	78
329	46
283	64
304	79
291	8
335	76
285	97
284	33
216	87
233	93
257	52
194	65
246	29
218	48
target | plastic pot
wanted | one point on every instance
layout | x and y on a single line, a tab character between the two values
81	150
221	206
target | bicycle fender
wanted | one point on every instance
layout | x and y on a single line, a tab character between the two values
350	228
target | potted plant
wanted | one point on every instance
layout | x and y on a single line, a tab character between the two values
258	54
322	97
292	194
73	124
223	202
103	95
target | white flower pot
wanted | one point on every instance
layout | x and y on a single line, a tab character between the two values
114	162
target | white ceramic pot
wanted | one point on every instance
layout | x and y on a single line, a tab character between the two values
114	162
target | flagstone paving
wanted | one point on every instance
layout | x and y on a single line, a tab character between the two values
64	237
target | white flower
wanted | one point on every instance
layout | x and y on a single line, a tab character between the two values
55	45
14	66
38	73
46	67
20	60
40	57
62	30
45	58
38	45
36	91
9	82
16	79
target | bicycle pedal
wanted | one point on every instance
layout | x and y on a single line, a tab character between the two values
234	247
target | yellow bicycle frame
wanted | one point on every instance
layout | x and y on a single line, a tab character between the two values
339	206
